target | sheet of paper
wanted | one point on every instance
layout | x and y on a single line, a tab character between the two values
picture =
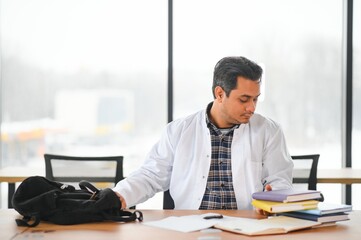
188	223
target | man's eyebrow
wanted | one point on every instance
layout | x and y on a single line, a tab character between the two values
249	96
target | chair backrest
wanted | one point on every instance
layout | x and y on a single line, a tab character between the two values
168	202
73	169
305	170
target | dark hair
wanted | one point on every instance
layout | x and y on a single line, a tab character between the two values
228	69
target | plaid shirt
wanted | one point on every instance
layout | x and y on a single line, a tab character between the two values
219	193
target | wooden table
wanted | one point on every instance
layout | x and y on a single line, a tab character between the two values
13	175
347	176
135	230
341	175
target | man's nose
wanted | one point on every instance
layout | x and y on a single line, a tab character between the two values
251	106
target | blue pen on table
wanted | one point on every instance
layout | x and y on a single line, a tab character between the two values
213	216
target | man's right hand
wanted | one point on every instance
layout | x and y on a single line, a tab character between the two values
122	200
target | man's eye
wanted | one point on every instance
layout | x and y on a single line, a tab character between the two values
244	100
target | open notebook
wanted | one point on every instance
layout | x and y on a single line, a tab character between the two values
246	226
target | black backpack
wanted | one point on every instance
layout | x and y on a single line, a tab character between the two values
38	198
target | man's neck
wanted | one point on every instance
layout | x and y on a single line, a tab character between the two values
214	116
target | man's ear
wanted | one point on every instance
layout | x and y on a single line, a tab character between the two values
219	93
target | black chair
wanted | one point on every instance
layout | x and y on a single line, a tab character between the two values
305	170
168	202
72	169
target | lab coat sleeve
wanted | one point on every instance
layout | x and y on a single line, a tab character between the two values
152	177
277	162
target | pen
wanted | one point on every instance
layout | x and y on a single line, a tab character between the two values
213	216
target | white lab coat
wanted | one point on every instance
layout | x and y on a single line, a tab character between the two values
180	161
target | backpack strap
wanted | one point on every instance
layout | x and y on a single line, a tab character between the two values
125	216
85	185
28	221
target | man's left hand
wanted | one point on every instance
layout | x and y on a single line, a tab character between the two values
263	212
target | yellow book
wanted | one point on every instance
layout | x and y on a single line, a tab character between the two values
277	207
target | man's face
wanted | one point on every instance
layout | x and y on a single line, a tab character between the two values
239	107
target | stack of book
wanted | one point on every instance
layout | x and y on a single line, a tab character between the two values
325	213
286	200
302	204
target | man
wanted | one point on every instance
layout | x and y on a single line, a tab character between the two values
216	158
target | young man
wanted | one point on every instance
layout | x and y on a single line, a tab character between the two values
216	158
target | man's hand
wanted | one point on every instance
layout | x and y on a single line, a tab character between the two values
260	211
122	200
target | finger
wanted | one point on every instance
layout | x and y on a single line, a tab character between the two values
262	212
268	187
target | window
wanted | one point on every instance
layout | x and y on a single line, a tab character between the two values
301	55
82	78
356	122
89	77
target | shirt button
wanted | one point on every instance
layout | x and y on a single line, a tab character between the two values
222	185
224	207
